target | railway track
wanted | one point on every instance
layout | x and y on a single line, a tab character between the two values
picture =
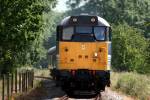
65	97
98	97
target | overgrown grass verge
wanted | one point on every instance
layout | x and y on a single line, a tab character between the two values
42	72
36	87
132	84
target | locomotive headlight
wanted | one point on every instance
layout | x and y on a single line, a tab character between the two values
92	19
95	54
74	19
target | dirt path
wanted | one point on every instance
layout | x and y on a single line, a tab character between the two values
48	91
112	95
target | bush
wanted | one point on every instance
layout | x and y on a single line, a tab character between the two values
129	49
133	84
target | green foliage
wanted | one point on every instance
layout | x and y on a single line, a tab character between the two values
20	31
132	84
133	12
129	49
148	57
51	20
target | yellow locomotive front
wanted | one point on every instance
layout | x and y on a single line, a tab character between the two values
83	54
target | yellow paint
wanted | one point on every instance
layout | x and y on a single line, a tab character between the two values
83	55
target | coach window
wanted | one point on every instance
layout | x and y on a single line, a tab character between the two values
67	33
99	33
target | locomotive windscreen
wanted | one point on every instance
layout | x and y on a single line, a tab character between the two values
84	33
83	29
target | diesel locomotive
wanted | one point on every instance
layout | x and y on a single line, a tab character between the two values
83	54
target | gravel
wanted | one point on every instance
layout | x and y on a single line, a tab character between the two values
50	91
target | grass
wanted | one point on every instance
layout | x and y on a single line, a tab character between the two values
42	72
133	84
37	84
37	72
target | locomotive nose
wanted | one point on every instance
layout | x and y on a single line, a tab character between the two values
82	46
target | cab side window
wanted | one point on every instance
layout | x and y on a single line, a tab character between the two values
67	33
99	33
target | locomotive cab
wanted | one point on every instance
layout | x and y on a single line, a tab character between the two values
83	54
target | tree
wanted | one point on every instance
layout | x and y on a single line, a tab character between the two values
20	31
134	12
51	21
129	49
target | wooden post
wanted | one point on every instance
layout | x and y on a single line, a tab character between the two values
3	87
32	78
23	82
12	83
16	81
8	88
26	80
19	82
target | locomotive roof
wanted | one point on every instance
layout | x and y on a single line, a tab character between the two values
99	20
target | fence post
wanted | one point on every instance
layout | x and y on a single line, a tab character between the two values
3	87
20	81
12	83
32	78
8	88
16	81
27	80
23	82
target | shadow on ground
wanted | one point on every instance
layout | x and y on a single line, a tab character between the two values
47	90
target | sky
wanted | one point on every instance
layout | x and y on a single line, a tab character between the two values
61	6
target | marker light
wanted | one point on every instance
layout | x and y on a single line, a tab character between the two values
92	19
74	19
